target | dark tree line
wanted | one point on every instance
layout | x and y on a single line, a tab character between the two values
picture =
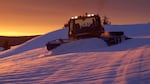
6	45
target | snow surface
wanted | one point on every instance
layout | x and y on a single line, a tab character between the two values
84	45
77	63
1	49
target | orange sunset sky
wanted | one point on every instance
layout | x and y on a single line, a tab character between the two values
32	17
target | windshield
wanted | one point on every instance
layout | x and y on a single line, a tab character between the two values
87	22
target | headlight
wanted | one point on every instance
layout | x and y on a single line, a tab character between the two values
75	17
92	14
72	17
89	15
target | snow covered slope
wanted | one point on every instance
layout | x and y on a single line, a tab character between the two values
137	30
36	43
1	49
125	63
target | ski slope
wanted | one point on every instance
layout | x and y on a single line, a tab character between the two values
88	61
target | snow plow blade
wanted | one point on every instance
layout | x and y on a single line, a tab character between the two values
55	43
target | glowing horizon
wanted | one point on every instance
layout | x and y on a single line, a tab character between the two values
25	31
11	33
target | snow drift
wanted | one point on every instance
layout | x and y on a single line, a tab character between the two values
125	63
